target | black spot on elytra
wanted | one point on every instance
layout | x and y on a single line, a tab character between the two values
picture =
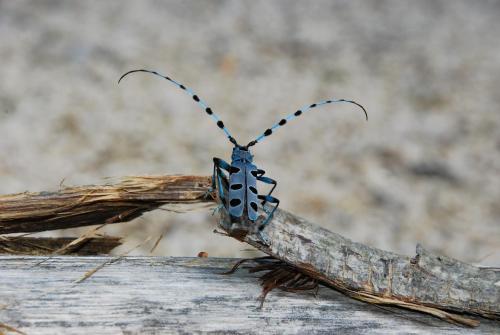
236	187
234	202
282	122
252	189
313	105
234	169
220	124
297	113
254	206
268	132
209	111
195	98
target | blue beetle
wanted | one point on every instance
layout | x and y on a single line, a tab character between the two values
240	178
243	197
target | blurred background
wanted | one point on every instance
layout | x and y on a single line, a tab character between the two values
425	168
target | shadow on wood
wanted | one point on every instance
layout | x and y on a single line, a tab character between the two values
40	246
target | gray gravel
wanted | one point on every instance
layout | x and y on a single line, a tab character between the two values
425	168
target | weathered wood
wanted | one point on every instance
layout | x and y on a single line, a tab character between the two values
426	282
95	204
39	246
156	295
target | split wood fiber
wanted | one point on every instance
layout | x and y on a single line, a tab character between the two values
81	206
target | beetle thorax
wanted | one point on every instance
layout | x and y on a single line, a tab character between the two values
241	155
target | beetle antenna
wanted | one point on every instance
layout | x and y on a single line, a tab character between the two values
299	112
194	96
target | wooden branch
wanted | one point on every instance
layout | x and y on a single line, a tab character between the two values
427	282
95	204
157	295
40	246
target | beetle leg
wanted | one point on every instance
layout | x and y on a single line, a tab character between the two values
219	179
217	209
271	200
269	181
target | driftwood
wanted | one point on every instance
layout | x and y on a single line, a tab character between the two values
427	283
161	295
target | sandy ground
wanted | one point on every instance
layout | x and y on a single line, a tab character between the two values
425	168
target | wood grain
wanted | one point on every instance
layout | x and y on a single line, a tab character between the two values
160	295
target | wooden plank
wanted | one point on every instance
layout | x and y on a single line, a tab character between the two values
81	206
152	295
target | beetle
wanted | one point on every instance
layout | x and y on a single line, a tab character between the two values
236	183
